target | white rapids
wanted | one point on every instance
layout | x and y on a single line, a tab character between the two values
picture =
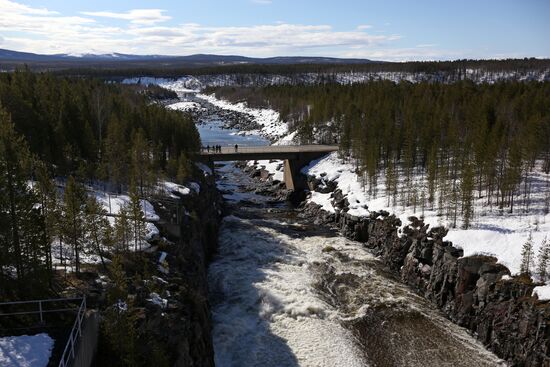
265	310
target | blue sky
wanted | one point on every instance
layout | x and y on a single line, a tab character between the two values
382	30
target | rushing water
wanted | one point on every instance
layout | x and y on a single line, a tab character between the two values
285	292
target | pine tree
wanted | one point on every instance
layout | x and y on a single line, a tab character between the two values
137	218
527	256
467	189
122	230
119	289
98	229
51	209
141	165
543	260
73	218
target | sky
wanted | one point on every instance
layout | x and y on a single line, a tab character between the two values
392	30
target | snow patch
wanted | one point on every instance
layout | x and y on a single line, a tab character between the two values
26	350
542	292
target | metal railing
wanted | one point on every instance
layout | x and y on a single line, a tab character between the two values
269	149
76	332
41	310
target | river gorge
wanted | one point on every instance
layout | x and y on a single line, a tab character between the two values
284	291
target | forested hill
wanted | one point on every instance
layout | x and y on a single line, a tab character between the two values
467	139
93	128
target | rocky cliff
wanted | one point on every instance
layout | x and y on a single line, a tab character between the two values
191	222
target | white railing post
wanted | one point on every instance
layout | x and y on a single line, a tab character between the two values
40	311
71	340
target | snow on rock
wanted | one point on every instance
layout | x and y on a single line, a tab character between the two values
323	200
26	350
289	139
171	187
331	168
154	298
275	167
495	233
268	119
542	292
184	106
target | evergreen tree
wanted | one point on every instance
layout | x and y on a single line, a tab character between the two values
543	260
98	229
527	256
74	218
122	230
51	209
141	165
137	218
467	189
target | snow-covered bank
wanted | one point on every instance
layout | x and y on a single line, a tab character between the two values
185	106
269	120
495	233
26	350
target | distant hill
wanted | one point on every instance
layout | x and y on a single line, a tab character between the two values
9	59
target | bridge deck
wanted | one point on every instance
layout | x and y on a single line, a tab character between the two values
264	152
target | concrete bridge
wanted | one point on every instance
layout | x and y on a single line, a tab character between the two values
295	157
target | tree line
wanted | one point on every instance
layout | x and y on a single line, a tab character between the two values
463	141
177	69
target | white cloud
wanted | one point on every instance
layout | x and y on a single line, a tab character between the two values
262	2
10	7
135	16
42	30
362	27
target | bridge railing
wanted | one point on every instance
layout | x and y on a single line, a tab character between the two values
268	149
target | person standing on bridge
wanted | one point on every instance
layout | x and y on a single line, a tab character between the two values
236	148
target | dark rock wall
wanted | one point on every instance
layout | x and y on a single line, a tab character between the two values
501	313
185	328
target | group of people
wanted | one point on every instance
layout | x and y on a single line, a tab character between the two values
214	148
217	148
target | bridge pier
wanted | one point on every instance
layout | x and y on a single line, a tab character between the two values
291	175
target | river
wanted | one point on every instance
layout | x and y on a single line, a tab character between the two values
285	292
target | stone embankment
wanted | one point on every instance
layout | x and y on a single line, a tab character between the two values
475	292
